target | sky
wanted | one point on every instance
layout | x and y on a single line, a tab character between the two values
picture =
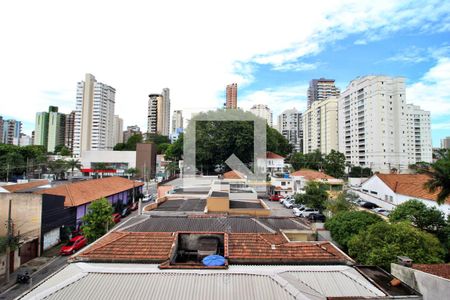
272	49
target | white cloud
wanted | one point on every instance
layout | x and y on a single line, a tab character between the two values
432	91
299	66
193	47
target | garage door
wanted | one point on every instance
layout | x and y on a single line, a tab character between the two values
51	238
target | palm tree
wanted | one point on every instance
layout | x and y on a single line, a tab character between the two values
440	178
74	163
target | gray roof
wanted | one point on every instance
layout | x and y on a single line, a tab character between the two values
238	224
139	281
182	205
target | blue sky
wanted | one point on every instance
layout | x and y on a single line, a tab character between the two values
271	49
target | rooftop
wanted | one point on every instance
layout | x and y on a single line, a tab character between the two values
83	192
233	175
273	155
312	174
182	205
131	281
409	185
441	270
21	187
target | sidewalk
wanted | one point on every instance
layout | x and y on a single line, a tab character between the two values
32	266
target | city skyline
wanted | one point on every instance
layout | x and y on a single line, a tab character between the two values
341	40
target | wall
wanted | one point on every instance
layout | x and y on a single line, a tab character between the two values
430	286
218	204
87	157
146	159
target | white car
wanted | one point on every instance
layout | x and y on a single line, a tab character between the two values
381	211
307	211
289	203
298	210
287	198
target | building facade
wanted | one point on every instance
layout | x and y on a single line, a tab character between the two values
321	89
131	130
262	111
231	96
56	129
12	130
94	116
419	134
117	130
177	120
69	131
445	143
290	126
158	118
41	129
374	126
320	126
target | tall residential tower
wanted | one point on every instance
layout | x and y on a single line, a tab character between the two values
290	126
231	96
321	89
158	117
262	111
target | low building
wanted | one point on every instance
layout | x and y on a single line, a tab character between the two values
281	184
303	176
390	190
272	164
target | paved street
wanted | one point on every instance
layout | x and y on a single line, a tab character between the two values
37	277
278	210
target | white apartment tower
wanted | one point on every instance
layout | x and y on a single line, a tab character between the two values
177	120
290	126
320	126
158	118
419	134
117	130
94	116
262	111
374	126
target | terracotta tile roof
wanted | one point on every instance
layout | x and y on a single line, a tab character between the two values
409	185
233	175
13	188
130	246
275	248
83	192
273	155
312	174
441	270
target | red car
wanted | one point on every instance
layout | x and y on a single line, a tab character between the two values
116	218
276	197
75	243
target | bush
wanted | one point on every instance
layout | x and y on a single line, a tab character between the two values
98	219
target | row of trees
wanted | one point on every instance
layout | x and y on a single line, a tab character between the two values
162	142
413	230
333	163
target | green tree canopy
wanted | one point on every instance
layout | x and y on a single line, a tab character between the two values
98	220
157	138
161	148
175	151
340	204
313	160
345	225
130	144
315	196
357	171
381	243
440	178
335	164
16	161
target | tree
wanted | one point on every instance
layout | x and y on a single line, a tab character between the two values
334	164
315	196
157	138
58	167
175	151
313	160
130	144
65	152
132	171
277	143
418	214
161	148
357	171
73	163
440	179
345	225
98	220
381	243
340	204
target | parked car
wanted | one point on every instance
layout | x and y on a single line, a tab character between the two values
316	217
134	206
73	245
148	198
276	197
360	202
307	211
298	210
381	211
287	198
369	205
125	212
116	218
289	203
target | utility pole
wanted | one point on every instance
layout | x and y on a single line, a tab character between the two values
7	172
9	239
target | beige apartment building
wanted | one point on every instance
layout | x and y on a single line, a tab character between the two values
320	126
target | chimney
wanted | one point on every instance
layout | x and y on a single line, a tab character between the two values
404	261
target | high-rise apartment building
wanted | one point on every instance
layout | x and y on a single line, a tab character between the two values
1	129
377	127
321	89
131	130
49	130
117	130
320	126
12	130
445	143
94	116
262	111
177	120
231	96
69	130
290	126
25	140
158	118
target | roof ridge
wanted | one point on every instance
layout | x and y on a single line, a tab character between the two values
120	234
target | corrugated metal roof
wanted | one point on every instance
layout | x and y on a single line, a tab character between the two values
140	281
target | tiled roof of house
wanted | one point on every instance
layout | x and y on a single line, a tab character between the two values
409	185
441	270
130	247
273	155
83	192
274	248
233	175
312	174
14	188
